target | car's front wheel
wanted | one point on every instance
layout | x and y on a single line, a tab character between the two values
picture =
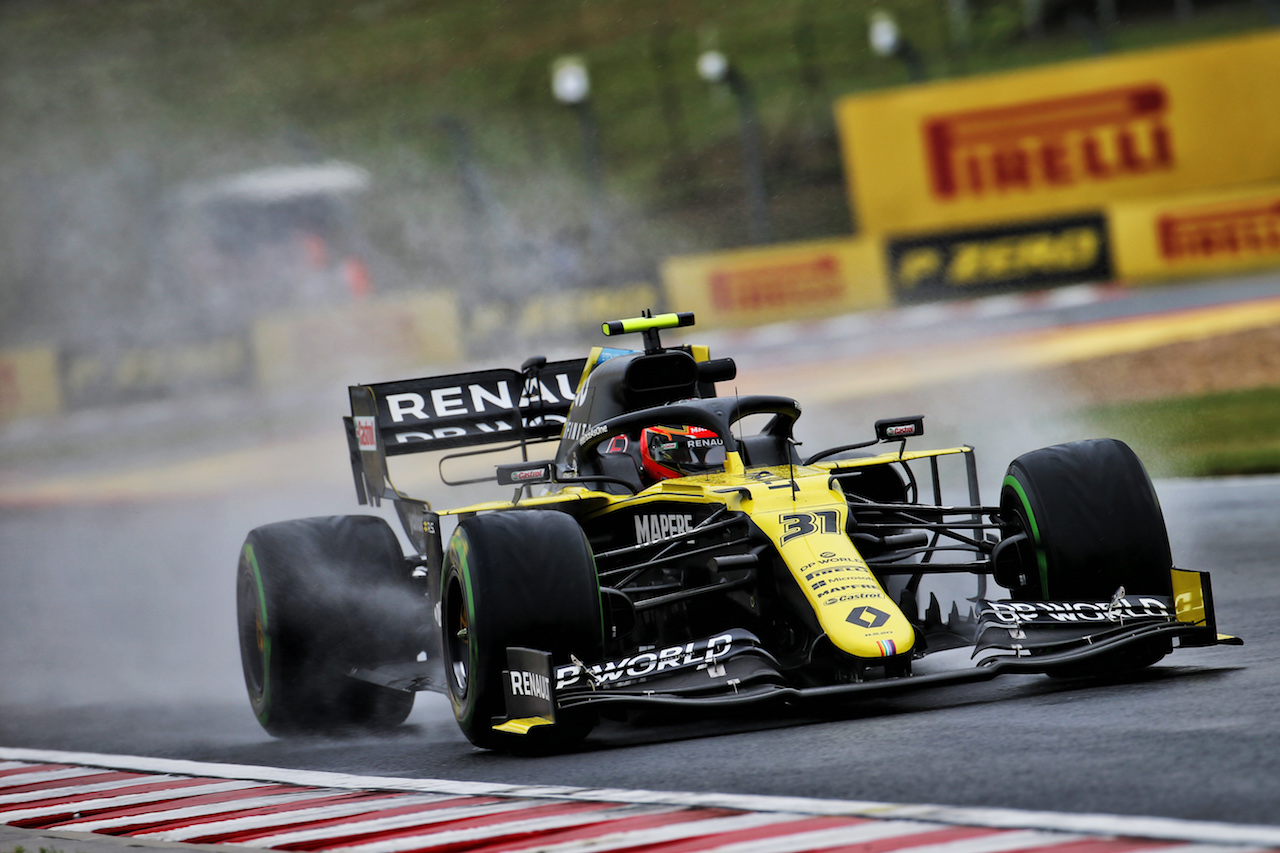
1092	524
524	578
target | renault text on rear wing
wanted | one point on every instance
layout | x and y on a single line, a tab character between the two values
456	410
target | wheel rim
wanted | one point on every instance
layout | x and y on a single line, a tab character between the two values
252	637
457	638
1038	572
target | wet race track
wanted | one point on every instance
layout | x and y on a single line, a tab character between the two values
117	636
134	653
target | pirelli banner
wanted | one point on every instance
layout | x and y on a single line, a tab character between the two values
787	282
1025	254
1064	138
1197	234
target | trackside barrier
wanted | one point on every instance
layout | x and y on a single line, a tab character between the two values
29	385
122	374
553	315
354	342
793	281
1064	139
1200	234
408	331
383	334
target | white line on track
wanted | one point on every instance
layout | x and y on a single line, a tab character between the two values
845	837
68	774
1027	840
75	790
531	827
688	830
158	796
229	826
277	802
1171	829
369	826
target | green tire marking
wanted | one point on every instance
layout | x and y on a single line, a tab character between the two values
1042	560
460	550
252	558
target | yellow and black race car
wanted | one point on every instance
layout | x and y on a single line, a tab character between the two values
679	552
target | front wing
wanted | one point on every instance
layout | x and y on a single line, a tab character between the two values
733	670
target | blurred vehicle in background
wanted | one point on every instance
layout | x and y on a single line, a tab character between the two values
280	237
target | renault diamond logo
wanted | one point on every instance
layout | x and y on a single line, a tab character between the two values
867	617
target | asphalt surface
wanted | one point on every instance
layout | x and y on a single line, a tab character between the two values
117	636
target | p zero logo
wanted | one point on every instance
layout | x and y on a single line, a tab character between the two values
772	286
1223	232
1035	254
1060	142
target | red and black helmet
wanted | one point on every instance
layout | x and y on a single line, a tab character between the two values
669	451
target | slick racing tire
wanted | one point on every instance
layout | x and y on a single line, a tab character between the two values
1092	520
517	578
1093	524
315	598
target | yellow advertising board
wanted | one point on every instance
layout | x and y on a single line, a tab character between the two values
1066	138
786	282
389	333
127	373
29	384
555	316
1196	234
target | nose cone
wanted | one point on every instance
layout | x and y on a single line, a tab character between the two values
852	608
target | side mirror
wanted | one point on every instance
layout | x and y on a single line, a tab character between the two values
524	473
897	429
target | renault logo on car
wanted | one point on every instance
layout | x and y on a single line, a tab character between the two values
867	617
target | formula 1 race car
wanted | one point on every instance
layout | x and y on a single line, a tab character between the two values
678	552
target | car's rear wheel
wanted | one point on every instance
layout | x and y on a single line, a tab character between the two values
524	578
1093	524
316	597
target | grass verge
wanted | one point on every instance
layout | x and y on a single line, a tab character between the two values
1226	433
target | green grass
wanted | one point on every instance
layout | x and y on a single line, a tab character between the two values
364	77
1235	432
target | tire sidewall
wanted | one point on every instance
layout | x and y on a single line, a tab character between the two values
458	592
302	625
256	654
522	578
1093	520
1015	501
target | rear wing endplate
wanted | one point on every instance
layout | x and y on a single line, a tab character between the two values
452	411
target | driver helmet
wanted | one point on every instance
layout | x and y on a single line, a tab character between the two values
678	451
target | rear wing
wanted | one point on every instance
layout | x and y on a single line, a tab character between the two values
458	410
